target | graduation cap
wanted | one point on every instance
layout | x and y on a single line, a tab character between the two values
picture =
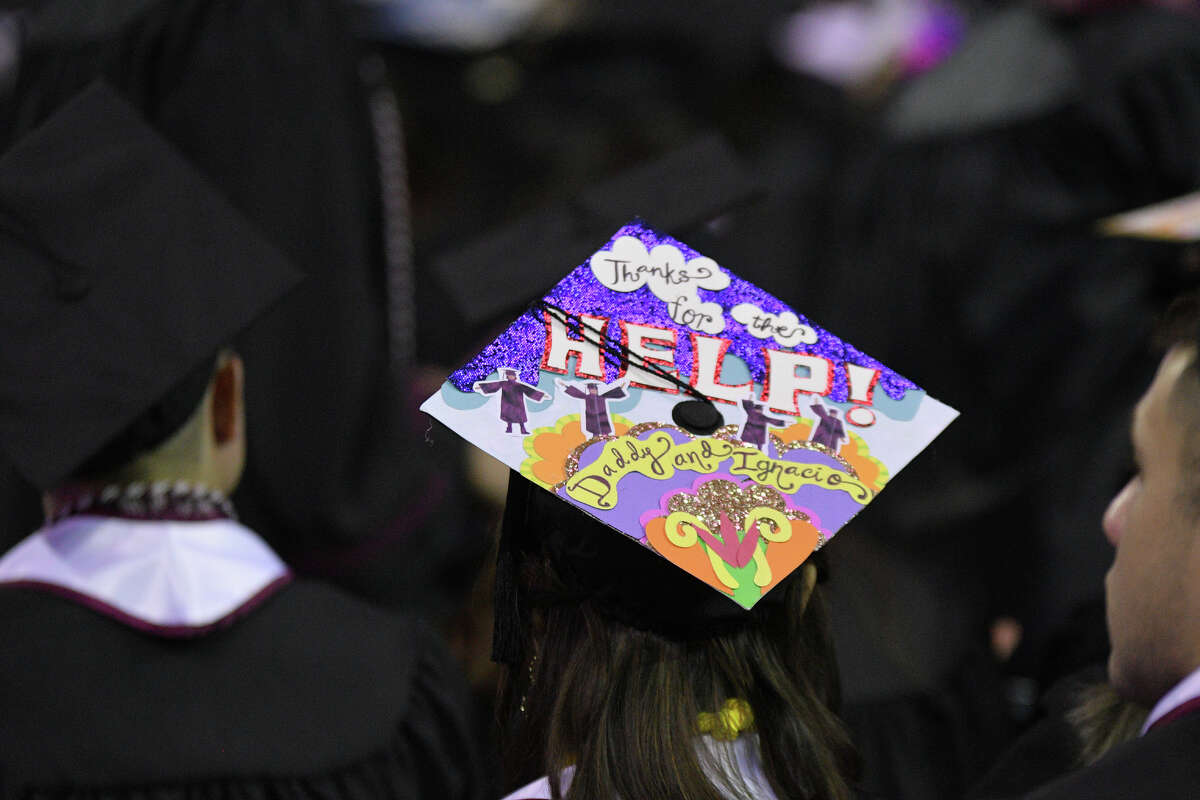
1174	220
122	273
684	439
1013	66
705	177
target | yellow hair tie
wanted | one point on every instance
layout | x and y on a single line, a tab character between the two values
729	723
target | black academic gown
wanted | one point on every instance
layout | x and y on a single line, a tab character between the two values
985	242
312	695
1159	765
268	100
970	261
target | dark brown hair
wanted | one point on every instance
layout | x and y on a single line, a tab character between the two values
1179	323
621	704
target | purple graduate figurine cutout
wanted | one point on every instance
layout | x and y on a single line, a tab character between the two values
595	405
829	432
755	430
512	397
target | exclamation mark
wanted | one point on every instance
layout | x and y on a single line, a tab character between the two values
861	381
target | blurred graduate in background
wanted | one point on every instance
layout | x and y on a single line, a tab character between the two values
152	644
296	125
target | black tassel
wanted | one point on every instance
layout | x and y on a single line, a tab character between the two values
508	625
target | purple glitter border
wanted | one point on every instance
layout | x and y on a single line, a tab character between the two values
522	345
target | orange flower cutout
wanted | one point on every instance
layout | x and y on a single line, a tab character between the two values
871	471
785	557
799	431
549	447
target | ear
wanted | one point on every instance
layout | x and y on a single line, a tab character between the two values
227	398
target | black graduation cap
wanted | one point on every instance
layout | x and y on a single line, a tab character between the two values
657	538
685	187
1013	66
1174	220
122	271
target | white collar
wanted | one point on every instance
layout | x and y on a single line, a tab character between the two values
1185	690
740	757
167	577
540	789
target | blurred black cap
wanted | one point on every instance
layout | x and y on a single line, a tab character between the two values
122	271
684	188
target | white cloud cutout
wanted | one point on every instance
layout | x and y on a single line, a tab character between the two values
628	267
785	328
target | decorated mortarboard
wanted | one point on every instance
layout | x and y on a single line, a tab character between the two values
690	411
1175	220
122	271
